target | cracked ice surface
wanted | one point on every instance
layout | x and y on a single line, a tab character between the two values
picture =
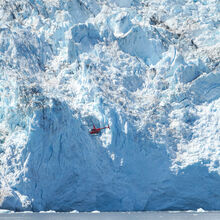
149	69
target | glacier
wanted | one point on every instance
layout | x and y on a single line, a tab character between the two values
149	69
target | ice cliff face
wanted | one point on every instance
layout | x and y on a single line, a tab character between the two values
149	69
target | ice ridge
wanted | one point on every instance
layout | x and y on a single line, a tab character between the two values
149	69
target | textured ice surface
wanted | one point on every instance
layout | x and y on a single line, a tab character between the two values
149	69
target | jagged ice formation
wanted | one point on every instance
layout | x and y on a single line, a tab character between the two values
149	69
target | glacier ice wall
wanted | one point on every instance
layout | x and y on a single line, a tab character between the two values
149	69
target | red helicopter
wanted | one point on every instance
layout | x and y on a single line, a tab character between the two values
97	130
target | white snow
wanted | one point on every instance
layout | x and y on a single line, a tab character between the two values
200	210
3	211
95	212
148	69
49	211
74	211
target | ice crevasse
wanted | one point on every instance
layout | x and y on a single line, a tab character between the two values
149	69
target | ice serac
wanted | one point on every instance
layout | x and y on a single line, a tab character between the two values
148	69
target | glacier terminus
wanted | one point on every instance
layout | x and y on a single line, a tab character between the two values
147	68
